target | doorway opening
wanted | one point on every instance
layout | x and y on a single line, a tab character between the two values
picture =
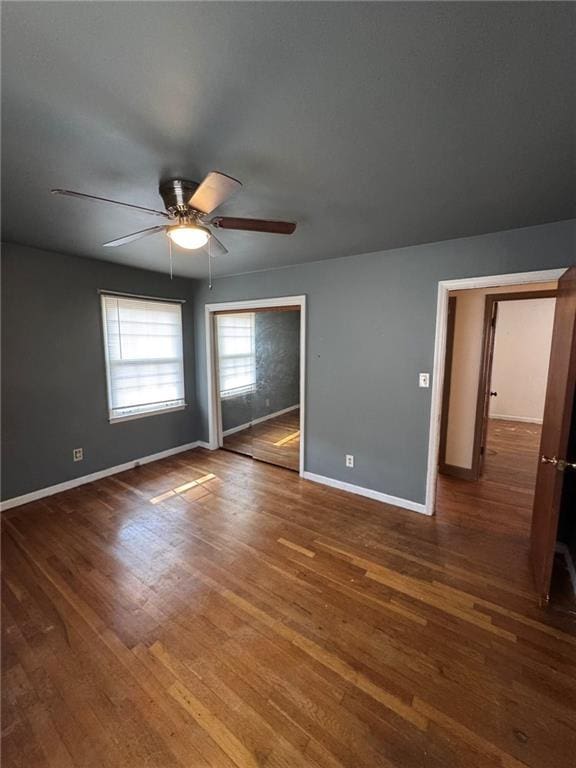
497	358
256	371
512	501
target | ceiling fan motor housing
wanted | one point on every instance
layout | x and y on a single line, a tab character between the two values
176	194
187	206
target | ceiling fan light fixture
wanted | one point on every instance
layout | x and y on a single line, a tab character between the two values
188	236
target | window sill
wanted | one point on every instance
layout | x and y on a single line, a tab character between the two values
234	395
144	414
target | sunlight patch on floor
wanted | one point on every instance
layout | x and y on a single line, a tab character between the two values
288	438
182	488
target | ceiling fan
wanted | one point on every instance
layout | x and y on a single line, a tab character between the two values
188	207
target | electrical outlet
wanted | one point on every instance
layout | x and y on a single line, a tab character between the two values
78	454
424	380
349	461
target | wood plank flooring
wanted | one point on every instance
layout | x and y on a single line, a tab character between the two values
276	441
501	500
212	611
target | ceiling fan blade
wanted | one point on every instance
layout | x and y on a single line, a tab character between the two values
83	196
254	225
217	245
134	236
213	191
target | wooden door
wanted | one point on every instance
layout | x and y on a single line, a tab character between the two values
450	329
486	377
555	434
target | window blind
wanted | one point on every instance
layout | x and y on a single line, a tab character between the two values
236	354
144	358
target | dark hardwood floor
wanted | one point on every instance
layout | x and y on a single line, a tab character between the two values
495	512
209	610
276	441
502	498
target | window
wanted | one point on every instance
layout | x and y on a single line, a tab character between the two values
237	366
144	360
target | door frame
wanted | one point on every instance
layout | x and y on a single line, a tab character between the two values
438	370
210	310
443	467
485	374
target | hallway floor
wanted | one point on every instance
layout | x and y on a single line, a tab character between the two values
503	496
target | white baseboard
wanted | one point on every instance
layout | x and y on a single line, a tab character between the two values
563	550
395	501
505	417
241	427
41	493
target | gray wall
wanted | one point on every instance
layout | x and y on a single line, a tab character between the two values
370	330
277	348
53	375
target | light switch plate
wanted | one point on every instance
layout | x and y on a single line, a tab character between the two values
424	380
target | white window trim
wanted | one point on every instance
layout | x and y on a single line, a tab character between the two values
238	392
144	413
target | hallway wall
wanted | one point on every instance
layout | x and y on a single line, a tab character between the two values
466	360
521	357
